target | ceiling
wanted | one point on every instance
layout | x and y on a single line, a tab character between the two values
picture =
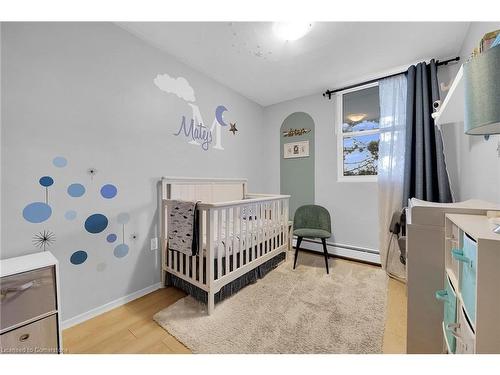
250	59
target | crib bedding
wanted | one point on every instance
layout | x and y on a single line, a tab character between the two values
248	232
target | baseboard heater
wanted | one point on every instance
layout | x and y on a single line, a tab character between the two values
342	250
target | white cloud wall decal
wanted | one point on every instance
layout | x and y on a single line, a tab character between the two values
178	86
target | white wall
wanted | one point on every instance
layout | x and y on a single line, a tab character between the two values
473	163
85	91
352	205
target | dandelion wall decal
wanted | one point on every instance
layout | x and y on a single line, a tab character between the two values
44	239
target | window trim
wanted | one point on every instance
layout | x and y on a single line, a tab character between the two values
340	136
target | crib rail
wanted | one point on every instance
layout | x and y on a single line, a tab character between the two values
234	237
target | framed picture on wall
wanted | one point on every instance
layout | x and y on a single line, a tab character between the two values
296	150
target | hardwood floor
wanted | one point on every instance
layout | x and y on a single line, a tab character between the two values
127	329
130	328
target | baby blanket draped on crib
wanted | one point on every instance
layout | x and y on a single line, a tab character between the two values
182	227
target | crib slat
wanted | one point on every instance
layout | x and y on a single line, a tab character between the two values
204	237
240	237
254	232
233	237
227	223
248	234
181	263
220	251
257	220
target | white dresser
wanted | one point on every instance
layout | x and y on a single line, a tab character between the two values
30	305
425	263
470	293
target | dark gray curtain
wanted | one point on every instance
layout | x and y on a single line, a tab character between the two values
425	169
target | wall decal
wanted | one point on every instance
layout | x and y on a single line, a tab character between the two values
195	129
111	238
46	181
76	190
37	212
92	172
109	191
70	215
219	114
44	239
96	223
178	86
78	257
121	250
295	132
233	128
59	162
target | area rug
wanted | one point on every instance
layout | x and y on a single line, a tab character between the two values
290	311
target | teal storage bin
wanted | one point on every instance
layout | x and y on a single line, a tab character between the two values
468	260
449	298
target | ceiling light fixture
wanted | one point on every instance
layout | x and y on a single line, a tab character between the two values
291	31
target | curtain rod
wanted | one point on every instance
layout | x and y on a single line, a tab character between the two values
328	93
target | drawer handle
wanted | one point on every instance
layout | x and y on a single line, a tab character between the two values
453	328
24	337
458	254
441	295
17	289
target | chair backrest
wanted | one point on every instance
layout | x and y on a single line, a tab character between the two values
312	216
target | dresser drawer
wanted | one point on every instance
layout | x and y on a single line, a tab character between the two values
449	299
468	272
39	337
26	295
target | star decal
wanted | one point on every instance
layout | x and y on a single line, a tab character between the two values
233	128
44	239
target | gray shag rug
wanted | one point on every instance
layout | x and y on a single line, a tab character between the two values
290	311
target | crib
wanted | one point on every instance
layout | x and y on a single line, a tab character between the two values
238	232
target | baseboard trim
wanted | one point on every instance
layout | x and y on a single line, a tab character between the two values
351	252
108	306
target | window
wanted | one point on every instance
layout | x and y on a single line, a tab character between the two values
358	112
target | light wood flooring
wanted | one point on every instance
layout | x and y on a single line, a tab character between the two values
130	328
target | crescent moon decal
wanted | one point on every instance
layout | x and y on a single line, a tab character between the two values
218	114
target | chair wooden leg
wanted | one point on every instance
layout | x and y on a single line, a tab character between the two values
299	240
326	254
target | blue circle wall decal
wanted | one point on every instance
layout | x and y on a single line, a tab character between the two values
78	257
123	218
59	162
46	181
76	190
109	191
96	223
37	212
70	215
121	250
111	238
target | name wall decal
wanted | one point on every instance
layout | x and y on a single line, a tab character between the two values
194	130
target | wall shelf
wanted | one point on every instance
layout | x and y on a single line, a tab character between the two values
452	108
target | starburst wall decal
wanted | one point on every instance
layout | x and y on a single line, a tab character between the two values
44	239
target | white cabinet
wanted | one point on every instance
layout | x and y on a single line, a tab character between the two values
30	305
426	252
472	272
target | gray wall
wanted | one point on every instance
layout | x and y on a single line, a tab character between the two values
473	163
297	174
352	205
85	91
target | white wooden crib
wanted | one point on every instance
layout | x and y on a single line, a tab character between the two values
237	231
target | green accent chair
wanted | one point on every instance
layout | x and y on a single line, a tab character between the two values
312	221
